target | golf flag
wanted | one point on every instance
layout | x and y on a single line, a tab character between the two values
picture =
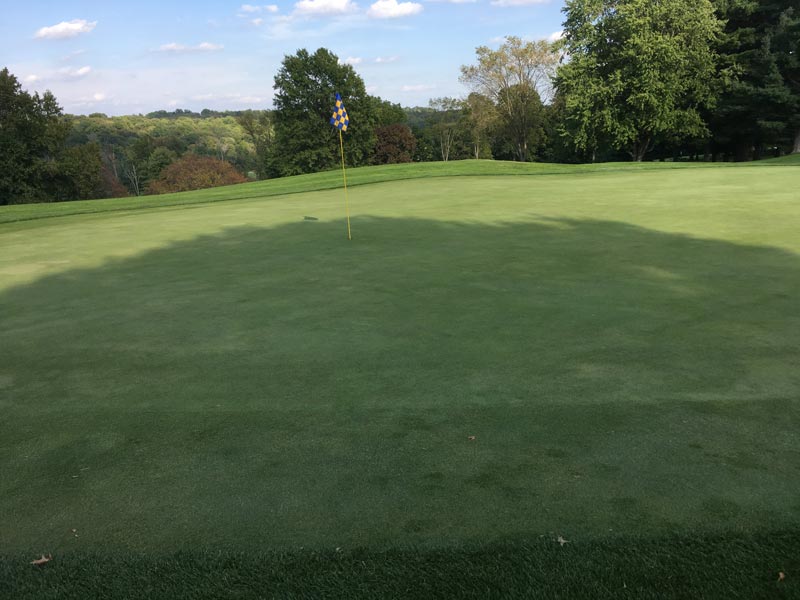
339	118
340	121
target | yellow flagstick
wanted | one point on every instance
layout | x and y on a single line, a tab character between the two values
344	176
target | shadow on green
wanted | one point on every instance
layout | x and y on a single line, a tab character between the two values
283	388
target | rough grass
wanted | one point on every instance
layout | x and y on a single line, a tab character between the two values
231	378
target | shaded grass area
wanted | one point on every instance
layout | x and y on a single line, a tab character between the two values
279	388
329	180
698	566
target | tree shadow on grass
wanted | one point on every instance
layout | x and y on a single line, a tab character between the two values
284	387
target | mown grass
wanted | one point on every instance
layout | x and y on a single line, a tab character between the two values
325	181
729	566
228	385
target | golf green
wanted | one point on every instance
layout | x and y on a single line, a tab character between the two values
491	359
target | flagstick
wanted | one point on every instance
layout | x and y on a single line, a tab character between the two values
344	175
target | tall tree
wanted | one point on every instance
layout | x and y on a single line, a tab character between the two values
516	77
258	125
305	89
481	115
32	134
445	121
761	104
637	69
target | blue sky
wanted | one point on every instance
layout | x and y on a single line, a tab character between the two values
136	57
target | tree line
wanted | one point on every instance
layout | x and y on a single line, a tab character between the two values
629	80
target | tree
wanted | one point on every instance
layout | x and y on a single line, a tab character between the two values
32	134
395	144
194	172
305	142
637	69
515	77
257	124
387	113
445	122
760	107
76	174
481	116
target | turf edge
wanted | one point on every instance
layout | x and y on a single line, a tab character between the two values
720	566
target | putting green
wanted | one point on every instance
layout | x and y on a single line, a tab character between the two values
622	345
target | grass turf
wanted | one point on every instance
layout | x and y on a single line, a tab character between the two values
730	566
231	377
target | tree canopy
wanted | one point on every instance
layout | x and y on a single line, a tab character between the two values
637	69
515	77
305	89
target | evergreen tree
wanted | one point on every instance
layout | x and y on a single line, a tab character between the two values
761	104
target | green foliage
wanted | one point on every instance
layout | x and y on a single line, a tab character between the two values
514	77
760	108
192	172
520	130
259	127
32	134
305	89
135	149
637	70
35	163
481	118
387	113
77	174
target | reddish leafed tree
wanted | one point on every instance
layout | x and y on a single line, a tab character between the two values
192	172
396	144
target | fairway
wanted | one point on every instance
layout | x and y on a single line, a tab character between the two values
591	354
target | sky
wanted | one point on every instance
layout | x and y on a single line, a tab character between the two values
137	57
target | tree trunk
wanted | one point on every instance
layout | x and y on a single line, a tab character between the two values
639	149
796	149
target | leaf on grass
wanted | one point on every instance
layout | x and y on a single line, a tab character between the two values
43	560
471	438
562	541
781	576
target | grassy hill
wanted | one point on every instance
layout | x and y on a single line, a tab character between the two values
217	391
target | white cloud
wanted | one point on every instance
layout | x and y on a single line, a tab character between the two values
32	79
555	36
518	2
180	48
70	73
251	9
392	9
417	88
99	96
257	22
351	60
312	8
65	29
455	1
386	59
